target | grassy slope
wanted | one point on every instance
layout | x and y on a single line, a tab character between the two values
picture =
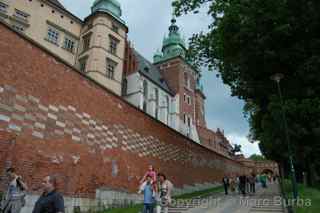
137	208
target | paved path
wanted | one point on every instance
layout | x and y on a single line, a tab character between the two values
264	201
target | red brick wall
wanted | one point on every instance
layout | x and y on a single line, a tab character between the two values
173	72
130	62
199	104
67	125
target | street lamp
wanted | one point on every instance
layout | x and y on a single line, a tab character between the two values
277	78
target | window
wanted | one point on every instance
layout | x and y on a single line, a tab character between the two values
3	7
202	109
86	42
185	76
167	109
124	87
189	100
114	28
69	44
156	94
145	95
189	121
113	45
184	97
111	66
53	35
184	118
22	15
83	64
186	80
18	27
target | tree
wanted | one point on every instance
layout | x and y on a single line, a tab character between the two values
250	40
256	157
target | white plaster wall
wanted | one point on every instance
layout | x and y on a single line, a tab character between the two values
134	90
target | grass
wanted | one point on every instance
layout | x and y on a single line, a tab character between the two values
309	198
138	207
133	209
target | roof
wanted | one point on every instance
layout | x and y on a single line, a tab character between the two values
58	5
150	71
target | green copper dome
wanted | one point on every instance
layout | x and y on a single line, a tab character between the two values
109	6
157	56
173	45
174	37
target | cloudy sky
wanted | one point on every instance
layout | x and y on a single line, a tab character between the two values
148	22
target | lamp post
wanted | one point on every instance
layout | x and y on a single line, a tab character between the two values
277	78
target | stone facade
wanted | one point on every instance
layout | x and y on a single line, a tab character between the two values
95	45
259	167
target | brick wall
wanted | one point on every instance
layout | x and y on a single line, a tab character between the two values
67	125
199	109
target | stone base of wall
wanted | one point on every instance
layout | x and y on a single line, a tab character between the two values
109	198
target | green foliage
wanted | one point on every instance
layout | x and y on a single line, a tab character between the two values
256	157
313	194
250	40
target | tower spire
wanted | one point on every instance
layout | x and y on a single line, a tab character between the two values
173	27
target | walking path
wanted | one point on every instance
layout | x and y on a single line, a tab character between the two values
264	201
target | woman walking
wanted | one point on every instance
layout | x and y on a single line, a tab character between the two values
14	199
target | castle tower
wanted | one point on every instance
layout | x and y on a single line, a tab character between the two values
102	49
181	78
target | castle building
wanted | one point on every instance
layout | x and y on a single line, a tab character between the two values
168	89
95	45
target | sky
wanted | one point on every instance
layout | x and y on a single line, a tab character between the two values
148	22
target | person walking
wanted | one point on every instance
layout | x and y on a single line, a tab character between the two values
51	201
165	189
242	183
148	195
252	182
14	199
226	184
238	184
233	184
263	180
